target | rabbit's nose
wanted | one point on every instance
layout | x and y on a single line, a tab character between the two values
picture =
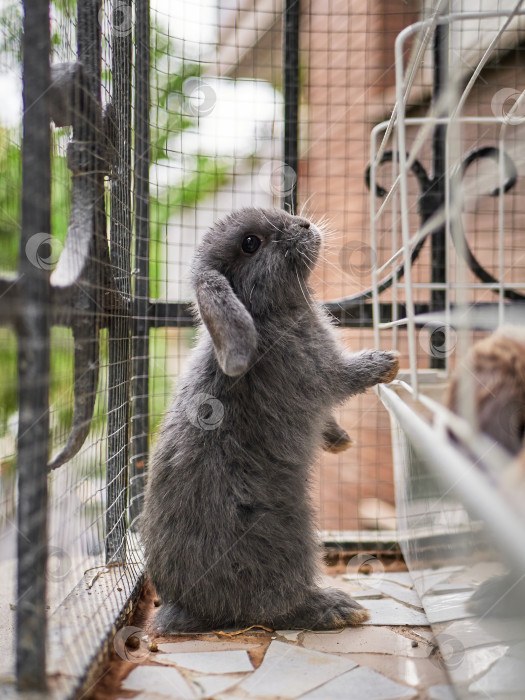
304	223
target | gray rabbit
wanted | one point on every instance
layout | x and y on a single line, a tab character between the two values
227	525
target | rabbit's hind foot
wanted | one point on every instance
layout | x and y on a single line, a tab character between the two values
326	609
171	618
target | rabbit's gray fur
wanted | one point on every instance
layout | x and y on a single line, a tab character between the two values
227	524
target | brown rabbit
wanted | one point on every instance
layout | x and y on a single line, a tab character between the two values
497	365
497	368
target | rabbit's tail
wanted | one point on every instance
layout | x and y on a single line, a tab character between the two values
172	618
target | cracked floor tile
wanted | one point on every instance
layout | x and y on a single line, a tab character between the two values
399	592
288	671
426	579
159	680
417	672
208	686
200	645
445	608
289	635
387	611
210	661
403	578
469	633
359	684
464	666
507	675
366	639
147	695
441	692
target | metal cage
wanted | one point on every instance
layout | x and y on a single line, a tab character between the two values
97	305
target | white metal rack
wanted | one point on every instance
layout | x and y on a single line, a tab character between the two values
450	479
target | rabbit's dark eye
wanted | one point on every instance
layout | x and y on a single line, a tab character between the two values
250	244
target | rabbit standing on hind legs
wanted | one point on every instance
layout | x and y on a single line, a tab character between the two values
227	526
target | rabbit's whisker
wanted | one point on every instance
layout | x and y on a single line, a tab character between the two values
340	270
303	292
305	204
312	272
271	224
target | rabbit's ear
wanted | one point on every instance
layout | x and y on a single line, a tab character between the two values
229	323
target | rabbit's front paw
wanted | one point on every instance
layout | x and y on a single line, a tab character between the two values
392	361
335	438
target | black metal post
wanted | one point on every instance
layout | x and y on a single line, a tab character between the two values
140	381
438	175
291	103
119	371
33	355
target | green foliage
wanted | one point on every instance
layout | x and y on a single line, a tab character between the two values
8	386
11	26
11	21
10	196
210	174
168	119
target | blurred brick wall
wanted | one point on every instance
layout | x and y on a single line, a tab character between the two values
347	69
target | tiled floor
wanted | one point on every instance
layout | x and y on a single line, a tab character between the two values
390	657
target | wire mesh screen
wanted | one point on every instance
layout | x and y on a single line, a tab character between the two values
88	250
445	204
347	86
227	152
